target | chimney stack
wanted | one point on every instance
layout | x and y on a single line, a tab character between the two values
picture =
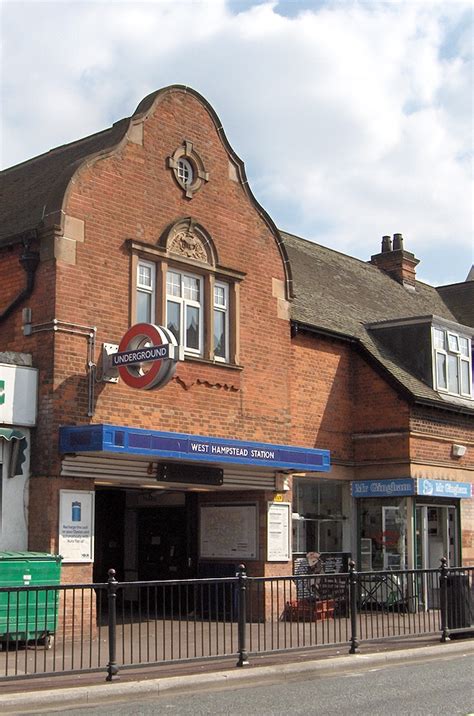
396	262
386	244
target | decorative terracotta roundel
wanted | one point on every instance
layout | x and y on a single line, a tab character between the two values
188	169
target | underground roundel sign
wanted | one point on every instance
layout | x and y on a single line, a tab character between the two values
147	356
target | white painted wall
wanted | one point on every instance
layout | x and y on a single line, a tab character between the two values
14	500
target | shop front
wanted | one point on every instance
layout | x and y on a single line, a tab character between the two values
408	523
180	506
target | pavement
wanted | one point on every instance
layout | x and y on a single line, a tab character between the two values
81	690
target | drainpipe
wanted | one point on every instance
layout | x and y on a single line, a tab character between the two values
29	260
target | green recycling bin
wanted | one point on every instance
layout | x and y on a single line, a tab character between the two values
29	614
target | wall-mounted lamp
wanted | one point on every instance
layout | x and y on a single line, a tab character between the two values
459	450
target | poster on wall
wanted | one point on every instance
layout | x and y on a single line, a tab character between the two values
228	531
76	525
278	532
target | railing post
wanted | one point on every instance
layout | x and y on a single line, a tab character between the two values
242	615
443	599
353	607
112	668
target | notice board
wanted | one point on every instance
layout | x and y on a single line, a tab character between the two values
76	525
335	562
278	532
228	531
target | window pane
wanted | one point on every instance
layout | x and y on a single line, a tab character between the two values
144	307
219	296
441	380
192	327
440	339
453	374
453	342
464	346
173	318
185	171
465	385
145	275
191	288
173	284
219	334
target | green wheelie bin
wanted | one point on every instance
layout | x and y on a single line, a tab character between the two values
29	614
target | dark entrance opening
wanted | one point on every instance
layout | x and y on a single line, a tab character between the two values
145	535
164	549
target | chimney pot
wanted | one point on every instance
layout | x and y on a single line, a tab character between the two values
386	244
397	242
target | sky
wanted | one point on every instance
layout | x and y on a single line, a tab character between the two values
354	119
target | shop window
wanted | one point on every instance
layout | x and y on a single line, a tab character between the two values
179	285
317	516
383	534
452	363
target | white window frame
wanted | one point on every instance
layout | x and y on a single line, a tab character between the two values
143	288
184	303
461	359
183	166
222	308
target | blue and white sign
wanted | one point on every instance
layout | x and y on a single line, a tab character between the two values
190	448
408	486
403	487
443	488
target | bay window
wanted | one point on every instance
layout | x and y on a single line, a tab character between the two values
200	310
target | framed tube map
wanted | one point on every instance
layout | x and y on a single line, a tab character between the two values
228	531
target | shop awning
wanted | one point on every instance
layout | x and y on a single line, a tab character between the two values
107	448
11	434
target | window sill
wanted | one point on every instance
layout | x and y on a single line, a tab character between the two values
215	363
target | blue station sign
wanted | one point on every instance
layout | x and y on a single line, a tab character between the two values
406	487
159	445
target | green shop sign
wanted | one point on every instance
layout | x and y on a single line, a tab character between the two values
2	392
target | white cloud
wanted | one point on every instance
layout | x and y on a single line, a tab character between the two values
354	119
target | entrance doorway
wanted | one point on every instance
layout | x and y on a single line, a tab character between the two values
436	531
145	535
163	548
436	536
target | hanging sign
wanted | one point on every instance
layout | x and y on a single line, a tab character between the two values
147	356
76	525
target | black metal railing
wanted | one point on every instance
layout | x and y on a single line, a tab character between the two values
114	625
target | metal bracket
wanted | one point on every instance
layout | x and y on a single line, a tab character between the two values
109	372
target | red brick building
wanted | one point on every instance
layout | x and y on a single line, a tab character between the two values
291	354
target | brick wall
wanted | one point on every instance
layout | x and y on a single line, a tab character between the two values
322	395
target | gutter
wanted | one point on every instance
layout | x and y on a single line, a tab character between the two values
29	260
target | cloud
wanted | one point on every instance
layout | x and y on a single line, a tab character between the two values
354	119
